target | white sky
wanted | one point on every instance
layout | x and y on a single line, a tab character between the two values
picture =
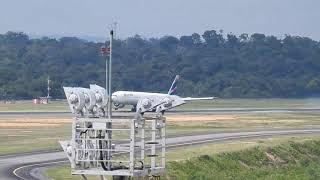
154	18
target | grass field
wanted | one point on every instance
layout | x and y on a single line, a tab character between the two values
180	157
254	103
29	133
28	106
38	132
29	137
20	106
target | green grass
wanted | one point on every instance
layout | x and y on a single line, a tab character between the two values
249	121
25	139
28	106
16	140
64	173
292	160
231	146
253	103
217	103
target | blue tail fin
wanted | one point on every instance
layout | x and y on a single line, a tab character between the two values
173	87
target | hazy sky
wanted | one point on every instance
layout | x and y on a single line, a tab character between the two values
154	18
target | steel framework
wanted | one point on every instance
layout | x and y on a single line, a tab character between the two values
138	147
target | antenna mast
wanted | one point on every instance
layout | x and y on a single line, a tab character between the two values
48	89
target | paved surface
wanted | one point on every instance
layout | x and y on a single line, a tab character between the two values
30	165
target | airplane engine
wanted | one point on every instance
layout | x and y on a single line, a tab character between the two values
146	103
167	102
117	106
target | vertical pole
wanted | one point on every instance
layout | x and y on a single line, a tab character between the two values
142	156
75	151
107	83
109	124
132	145
163	144
110	78
107	113
96	152
48	88
153	146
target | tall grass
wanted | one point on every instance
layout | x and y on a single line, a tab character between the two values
288	161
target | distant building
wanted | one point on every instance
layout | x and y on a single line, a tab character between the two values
41	100
36	101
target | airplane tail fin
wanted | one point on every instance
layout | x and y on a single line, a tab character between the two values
173	87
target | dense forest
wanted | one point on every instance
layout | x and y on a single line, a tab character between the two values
213	64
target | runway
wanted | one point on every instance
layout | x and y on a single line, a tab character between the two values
28	165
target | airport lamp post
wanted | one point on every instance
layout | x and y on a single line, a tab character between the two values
108	74
108	88
108	50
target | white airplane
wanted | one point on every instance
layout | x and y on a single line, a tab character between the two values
152	101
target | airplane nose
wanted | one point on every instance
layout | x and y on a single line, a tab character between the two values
114	97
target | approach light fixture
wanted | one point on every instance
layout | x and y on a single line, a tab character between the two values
87	102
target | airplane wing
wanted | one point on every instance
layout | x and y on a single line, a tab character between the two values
147	104
160	104
197	99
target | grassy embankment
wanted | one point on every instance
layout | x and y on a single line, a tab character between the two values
287	161
271	158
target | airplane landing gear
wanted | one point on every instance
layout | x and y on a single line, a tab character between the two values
134	109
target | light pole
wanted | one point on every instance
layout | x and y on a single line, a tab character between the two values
110	77
108	88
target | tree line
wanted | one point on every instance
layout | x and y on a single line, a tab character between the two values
211	64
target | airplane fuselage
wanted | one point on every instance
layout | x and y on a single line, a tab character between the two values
132	97
146	101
